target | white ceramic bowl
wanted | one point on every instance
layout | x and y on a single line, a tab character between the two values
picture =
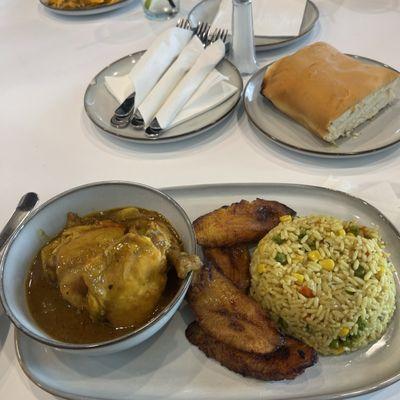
50	218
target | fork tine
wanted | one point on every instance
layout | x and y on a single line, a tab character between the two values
200	29
183	23
207	28
215	35
221	34
225	35
210	37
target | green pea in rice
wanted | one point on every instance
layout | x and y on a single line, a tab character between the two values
332	310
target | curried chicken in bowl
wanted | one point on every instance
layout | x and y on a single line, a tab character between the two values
104	277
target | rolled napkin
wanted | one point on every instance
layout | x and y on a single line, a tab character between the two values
271	17
212	92
152	103
150	67
187	87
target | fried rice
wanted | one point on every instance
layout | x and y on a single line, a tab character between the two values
325	281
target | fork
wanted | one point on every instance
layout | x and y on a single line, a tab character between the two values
218	33
201	30
183	23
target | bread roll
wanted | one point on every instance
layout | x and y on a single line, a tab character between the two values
328	92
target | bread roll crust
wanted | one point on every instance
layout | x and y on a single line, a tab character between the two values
317	84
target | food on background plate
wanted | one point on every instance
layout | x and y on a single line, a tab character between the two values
79	4
326	281
239	223
287	362
106	274
328	92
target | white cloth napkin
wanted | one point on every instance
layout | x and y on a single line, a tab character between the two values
213	91
270	17
187	87
380	194
151	66
152	103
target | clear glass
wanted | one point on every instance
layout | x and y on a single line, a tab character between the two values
243	53
160	9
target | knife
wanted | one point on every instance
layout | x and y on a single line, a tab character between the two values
25	206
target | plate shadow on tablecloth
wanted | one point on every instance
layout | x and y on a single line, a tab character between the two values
293	159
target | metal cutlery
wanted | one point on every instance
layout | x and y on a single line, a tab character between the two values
126	107
24	207
124	113
202	30
183	23
154	130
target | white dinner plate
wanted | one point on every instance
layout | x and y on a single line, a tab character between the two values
168	366
100	105
103	8
207	10
377	134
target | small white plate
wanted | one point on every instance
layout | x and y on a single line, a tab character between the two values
103	8
168	366
206	11
100	105
377	134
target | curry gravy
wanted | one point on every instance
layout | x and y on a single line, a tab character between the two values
64	322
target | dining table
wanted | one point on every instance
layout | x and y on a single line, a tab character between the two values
49	145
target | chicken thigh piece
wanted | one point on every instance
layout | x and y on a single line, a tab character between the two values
116	276
133	278
66	259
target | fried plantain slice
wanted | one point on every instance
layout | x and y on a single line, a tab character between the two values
285	363
239	223
226	313
233	262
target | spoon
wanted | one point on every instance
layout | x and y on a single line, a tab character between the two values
24	208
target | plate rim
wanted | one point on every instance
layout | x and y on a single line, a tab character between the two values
78	11
167	190
316	153
286	41
163	139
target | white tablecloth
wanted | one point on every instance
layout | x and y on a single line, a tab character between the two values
49	145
